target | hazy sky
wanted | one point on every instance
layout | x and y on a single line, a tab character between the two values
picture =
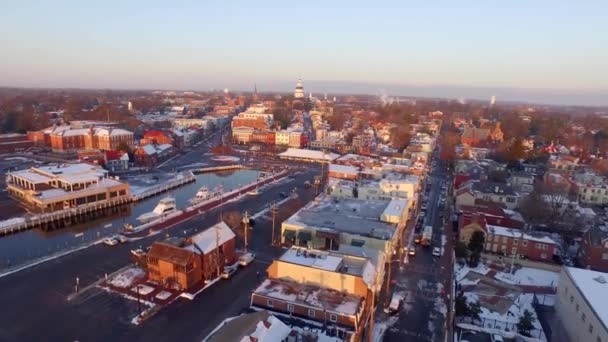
549	48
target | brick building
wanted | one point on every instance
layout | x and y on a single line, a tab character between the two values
593	251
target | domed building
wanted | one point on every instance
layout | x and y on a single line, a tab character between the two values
299	92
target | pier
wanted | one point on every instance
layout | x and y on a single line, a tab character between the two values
218	168
57	219
183	178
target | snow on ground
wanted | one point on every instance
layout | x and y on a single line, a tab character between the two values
225	159
529	276
508	321
127	277
380	327
461	271
163	295
143	289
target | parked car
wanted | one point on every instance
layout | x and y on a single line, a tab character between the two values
140	253
229	272
396	301
496	338
283	194
121	238
437	251
246	259
411	251
110	241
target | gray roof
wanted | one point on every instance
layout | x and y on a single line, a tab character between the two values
352	216
493	188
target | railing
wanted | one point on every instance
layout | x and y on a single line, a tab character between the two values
218	168
189	177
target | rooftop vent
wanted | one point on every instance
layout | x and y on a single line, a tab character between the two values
600	279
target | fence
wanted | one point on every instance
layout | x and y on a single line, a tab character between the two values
497	324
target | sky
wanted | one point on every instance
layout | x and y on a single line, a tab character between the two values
544	51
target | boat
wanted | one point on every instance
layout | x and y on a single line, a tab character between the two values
165	207
204	194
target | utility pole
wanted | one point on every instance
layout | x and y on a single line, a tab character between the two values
274	210
217	250
246	224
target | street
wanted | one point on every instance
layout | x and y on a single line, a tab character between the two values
424	280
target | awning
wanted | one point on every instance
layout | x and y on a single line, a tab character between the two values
304	235
289	234
327	235
357	243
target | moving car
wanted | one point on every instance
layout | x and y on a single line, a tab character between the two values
246	259
437	251
140	253
110	241
411	251
417	239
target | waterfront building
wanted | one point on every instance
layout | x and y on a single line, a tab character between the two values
56	187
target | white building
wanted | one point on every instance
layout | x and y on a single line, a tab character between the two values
299	92
581	304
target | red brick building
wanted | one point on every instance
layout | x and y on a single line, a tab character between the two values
507	241
593	251
157	137
14	142
258	123
186	263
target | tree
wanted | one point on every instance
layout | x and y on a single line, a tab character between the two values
281	117
460	249
400	137
460	305
475	247
474	309
526	323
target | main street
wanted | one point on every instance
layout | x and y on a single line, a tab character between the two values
36	298
423	279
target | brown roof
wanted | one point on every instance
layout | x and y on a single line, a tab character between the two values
170	253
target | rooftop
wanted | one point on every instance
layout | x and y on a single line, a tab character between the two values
593	286
308	154
206	241
311	296
352	216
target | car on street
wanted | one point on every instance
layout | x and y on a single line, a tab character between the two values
140	253
496	338
246	259
110	241
121	238
411	251
229	272
283	194
423	207
417	239
396	301
437	251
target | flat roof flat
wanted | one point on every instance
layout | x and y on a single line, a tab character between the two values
593	286
353	216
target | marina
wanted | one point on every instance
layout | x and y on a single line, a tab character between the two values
30	244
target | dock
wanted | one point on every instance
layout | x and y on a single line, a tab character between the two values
183	178
199	208
219	168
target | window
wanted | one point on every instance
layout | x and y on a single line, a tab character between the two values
269	303
505	239
333	318
543	255
516	242
605	256
590	329
524	243
571	299
514	250
577	307
290	308
598	339
583	317
311	313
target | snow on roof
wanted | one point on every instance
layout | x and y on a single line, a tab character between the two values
308	154
209	239
30	176
275	331
310	295
148	149
369	274
516	233
590	285
316	259
343	169
163	147
395	207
